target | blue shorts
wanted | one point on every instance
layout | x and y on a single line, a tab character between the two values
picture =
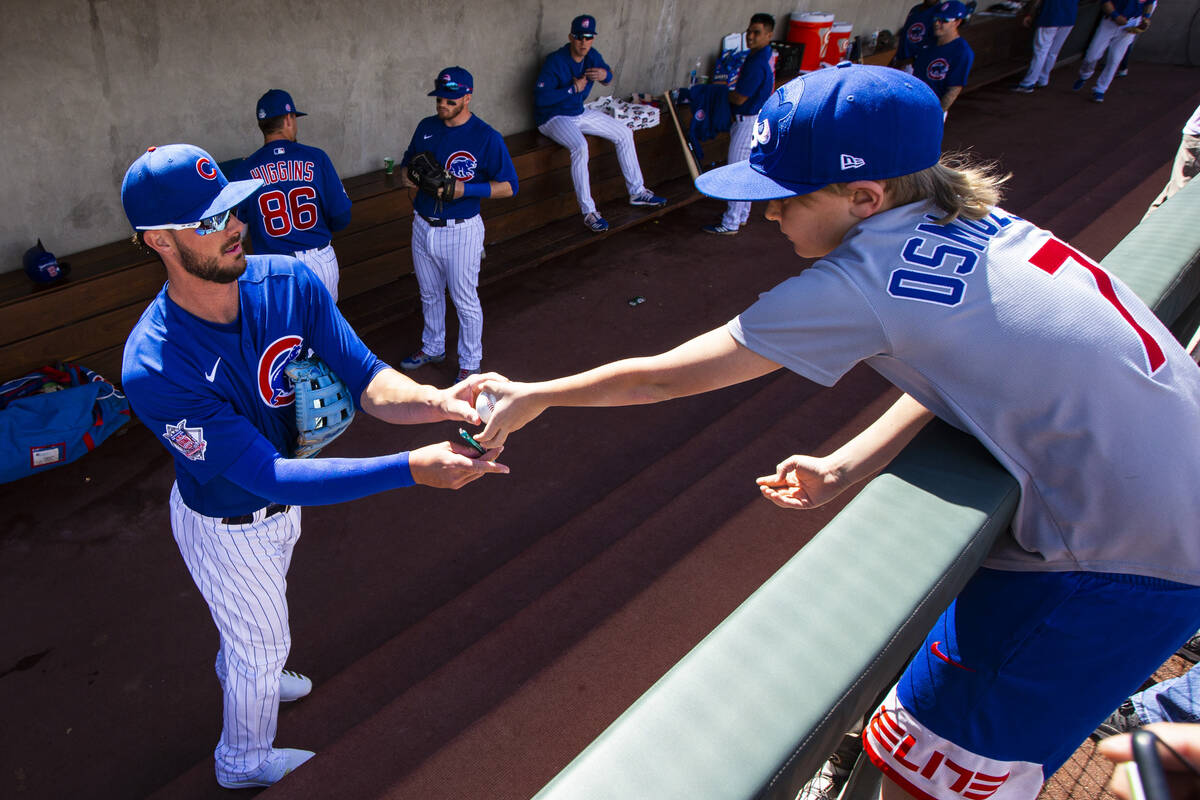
1017	672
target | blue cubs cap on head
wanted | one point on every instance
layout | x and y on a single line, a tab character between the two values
176	184
452	83
951	9
847	123
583	25
276	103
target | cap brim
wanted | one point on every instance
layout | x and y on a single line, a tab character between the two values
740	181
446	93
233	194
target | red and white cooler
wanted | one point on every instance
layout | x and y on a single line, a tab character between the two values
810	29
837	43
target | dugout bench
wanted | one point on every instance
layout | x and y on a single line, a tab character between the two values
86	317
755	708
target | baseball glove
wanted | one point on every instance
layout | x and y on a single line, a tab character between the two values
324	408
430	177
1142	26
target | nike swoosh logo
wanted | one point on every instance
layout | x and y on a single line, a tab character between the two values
212	375
427	136
936	647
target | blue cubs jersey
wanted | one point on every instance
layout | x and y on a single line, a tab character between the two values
210	390
301	202
1131	9
945	65
472	152
554	94
917	33
755	80
1056	13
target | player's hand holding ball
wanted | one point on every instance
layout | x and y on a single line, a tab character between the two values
457	402
802	482
509	407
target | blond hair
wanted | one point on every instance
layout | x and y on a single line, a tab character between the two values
957	184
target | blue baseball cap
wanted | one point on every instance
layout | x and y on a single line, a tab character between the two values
850	122
176	184
583	25
951	9
452	83
276	103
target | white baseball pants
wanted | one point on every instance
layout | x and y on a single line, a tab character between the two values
1109	37
1186	167
569	132
448	258
1047	42
241	570
323	261
741	140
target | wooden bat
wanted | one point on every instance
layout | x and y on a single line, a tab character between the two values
688	152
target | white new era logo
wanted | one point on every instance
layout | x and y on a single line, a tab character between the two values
852	162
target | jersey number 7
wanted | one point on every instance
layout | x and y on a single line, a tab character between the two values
1054	254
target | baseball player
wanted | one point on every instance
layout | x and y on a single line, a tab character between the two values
1006	332
563	84
1187	161
302	200
447	237
1123	19
915	35
946	64
751	88
204	369
1052	21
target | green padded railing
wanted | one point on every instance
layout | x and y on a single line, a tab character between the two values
754	709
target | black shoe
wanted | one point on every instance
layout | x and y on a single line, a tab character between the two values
1190	650
1123	720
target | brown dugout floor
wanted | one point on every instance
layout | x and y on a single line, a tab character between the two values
469	644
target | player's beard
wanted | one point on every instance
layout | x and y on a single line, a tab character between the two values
210	268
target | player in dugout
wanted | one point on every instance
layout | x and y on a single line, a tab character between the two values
1002	330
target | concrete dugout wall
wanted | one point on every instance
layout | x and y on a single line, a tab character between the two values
89	84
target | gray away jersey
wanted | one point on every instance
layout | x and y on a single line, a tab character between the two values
1055	365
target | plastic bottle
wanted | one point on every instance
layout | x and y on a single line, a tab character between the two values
693	77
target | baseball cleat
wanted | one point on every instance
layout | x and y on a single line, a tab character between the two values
1097	97
293	686
280	762
1022	89
720	230
420	359
1078	84
463	374
648	198
1190	649
1122	73
595	222
1123	720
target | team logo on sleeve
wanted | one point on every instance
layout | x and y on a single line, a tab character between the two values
938	69
274	387
461	165
189	441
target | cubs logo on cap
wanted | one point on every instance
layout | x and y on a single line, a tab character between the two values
951	9
176	184
583	25
452	83
276	103
833	126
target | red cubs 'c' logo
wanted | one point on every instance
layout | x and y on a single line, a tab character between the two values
461	165
938	69
206	169
916	32
274	387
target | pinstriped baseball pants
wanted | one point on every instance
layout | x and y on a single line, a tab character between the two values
323	261
448	258
241	570
569	132
1114	39
741	139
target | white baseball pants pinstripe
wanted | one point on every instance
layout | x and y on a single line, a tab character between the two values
241	570
569	132
323	261
448	258
1047	42
1116	40
741	139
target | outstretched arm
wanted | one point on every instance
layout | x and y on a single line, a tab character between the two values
803	482
396	398
712	360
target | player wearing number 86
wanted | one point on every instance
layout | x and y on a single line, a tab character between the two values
302	200
1004	331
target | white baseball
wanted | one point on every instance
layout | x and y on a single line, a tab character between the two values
485	404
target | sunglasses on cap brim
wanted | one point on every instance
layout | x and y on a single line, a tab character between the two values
588	36
214	224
